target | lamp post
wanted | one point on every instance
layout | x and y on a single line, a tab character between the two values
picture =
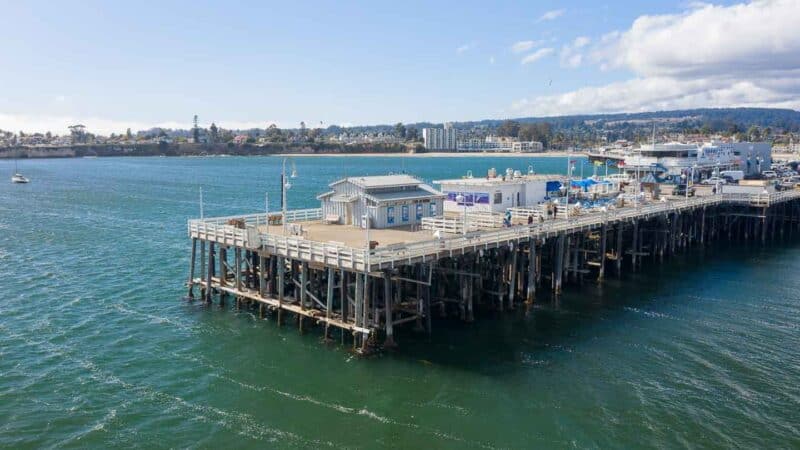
201	202
366	219
266	208
461	198
569	183
694	166
285	186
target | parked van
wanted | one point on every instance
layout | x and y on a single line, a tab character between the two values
735	175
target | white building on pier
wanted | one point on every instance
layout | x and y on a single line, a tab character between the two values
495	193
388	200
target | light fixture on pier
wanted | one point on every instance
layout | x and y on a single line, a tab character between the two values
461	199
294	171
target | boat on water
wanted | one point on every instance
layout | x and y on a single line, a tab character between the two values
19	178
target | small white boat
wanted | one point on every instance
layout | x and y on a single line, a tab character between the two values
18	178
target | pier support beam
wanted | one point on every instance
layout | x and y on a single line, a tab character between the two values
558	269
603	235
512	284
531	287
190	294
209	272
387	306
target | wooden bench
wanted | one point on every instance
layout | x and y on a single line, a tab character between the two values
332	218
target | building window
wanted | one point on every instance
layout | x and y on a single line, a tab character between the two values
433	209
498	198
390	215
419	211
405	213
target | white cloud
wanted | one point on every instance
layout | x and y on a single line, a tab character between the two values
552	15
463	48
710	39
746	54
571	54
524	46
537	55
58	124
581	41
663	93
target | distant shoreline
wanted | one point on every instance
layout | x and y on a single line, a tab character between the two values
558	154
199	151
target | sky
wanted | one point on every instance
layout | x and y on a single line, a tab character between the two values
247	64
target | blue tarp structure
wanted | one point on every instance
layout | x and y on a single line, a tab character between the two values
649	178
552	186
584	184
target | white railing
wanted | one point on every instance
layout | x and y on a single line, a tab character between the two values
444	224
484	220
321	252
217	229
303	215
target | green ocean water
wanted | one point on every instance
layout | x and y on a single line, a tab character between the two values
98	349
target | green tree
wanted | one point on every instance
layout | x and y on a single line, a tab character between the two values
412	134
753	133
541	132
508	128
400	130
274	134
195	131
213	133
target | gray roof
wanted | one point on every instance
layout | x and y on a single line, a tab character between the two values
381	181
422	193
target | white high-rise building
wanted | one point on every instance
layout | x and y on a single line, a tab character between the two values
440	138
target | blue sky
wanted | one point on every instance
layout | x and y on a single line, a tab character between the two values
117	64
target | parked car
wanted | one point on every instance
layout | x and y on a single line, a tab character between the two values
734	175
769	174
680	190
714	180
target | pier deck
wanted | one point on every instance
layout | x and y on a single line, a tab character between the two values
327	273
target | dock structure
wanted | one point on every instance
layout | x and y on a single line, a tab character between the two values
333	276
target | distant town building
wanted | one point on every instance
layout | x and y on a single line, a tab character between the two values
440	138
498	144
676	159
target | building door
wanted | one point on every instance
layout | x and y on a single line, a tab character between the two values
349	219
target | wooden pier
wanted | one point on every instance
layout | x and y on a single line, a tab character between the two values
281	265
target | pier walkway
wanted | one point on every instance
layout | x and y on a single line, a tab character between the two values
328	273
